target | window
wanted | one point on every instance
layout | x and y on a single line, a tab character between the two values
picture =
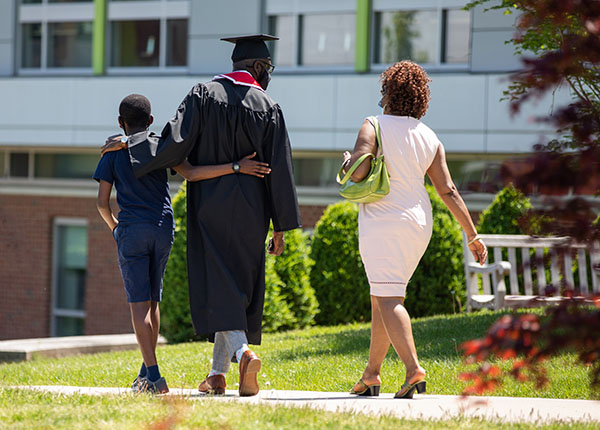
54	1
428	36
316	170
70	269
313	39
406	35
327	39
31	45
457	25
155	42
3	161
45	165
135	43
65	166
478	173
56	36
19	164
70	44
283	51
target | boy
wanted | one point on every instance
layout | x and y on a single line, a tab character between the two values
144	229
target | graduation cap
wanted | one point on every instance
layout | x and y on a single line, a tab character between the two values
248	47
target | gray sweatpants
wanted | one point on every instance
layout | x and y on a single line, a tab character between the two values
226	345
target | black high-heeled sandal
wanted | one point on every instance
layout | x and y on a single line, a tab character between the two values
369	390
407	390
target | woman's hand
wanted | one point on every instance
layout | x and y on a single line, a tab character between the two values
479	251
253	167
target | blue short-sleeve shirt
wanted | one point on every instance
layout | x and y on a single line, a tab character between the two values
145	200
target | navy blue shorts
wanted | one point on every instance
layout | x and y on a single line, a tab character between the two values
143	251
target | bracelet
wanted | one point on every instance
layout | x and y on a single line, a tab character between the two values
476	238
345	164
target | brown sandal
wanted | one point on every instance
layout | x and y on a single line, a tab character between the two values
407	390
369	390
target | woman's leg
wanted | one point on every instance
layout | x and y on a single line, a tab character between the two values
380	344
399	331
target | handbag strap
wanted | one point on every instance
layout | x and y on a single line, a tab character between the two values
349	173
375	123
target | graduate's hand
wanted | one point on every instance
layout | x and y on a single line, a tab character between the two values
113	143
252	167
276	244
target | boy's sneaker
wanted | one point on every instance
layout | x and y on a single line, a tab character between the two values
137	383
157	387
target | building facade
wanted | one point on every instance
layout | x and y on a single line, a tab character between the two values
66	64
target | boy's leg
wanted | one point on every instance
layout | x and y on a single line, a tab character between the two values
144	332
155	321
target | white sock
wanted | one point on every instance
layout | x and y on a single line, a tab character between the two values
239	352
213	372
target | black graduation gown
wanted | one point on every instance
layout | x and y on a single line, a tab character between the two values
227	217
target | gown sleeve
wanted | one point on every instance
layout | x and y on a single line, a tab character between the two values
148	151
280	182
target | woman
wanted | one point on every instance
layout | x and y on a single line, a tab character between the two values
394	232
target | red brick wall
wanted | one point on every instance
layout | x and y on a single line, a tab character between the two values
26	228
311	214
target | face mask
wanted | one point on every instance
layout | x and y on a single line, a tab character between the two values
381	105
264	79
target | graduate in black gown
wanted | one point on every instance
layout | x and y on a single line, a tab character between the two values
228	217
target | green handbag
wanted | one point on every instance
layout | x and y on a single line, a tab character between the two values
375	185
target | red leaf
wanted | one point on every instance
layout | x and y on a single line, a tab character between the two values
509	353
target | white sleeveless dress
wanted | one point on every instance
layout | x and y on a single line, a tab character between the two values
394	232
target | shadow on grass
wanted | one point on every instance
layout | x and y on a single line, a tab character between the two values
436	338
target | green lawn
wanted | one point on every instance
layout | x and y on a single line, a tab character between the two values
320	358
25	410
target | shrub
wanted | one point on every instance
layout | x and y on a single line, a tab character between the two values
289	300
438	284
338	275
503	215
176	321
277	314
340	282
292	268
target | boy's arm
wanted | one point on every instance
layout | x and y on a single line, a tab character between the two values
103	204
200	173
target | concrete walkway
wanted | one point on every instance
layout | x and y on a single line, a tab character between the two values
53	347
433	407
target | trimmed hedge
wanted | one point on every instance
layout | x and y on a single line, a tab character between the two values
293	268
503	215
338	275
438	284
175	318
289	300
339	279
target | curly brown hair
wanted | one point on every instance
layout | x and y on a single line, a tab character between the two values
405	85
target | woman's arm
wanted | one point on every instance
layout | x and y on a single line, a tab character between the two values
103	204
442	181
200	173
366	143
